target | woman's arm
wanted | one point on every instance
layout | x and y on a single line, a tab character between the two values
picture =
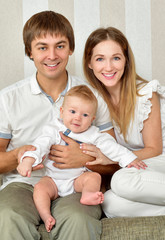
152	132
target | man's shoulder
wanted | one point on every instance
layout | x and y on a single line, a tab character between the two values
24	83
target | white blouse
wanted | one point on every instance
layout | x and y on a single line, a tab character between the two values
142	110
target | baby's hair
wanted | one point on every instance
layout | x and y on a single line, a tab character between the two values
83	92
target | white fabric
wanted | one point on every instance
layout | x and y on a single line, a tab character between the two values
143	108
115	206
107	144
25	109
139	192
50	135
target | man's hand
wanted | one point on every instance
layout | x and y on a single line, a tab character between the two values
70	156
24	149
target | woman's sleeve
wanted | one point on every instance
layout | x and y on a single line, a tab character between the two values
145	106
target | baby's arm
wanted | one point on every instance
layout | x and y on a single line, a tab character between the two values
25	166
113	150
42	145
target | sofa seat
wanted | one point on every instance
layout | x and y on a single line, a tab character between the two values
137	228
126	228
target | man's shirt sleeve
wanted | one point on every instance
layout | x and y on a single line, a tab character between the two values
5	126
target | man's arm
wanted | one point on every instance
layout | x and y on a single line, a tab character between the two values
105	169
9	160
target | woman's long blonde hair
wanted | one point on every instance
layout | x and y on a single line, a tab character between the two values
124	112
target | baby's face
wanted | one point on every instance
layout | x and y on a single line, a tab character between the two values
77	114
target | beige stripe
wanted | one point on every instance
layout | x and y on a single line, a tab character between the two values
138	32
11	47
158	39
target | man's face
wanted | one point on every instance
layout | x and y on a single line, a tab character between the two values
50	54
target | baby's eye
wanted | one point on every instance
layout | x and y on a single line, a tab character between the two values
85	115
73	111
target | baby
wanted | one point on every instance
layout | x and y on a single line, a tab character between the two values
76	116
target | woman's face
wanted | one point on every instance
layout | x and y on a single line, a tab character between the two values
108	63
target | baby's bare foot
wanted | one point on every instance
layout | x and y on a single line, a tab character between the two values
92	198
49	223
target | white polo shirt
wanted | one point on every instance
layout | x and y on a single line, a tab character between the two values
25	108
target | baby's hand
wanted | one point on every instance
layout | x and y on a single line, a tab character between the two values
25	167
137	164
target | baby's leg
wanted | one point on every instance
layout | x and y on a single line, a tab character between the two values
89	184
45	191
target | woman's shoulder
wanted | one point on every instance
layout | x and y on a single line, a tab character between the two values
147	88
144	104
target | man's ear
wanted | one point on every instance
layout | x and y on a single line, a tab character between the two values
70	53
31	56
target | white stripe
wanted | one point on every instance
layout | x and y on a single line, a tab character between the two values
138	32
31	7
86	19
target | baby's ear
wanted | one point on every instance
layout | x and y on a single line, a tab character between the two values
61	112
94	117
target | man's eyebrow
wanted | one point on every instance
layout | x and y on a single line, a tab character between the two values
44	43
40	43
62	41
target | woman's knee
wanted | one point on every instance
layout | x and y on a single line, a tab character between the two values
111	205
125	182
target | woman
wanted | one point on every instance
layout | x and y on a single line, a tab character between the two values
137	109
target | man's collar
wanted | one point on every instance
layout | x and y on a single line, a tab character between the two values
36	89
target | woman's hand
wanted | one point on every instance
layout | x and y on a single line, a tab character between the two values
137	163
95	152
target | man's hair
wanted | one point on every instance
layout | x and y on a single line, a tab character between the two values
83	92
47	22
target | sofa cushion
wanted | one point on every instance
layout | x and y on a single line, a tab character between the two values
137	228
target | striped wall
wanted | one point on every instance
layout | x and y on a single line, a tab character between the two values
142	21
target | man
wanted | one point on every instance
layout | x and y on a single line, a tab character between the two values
25	107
